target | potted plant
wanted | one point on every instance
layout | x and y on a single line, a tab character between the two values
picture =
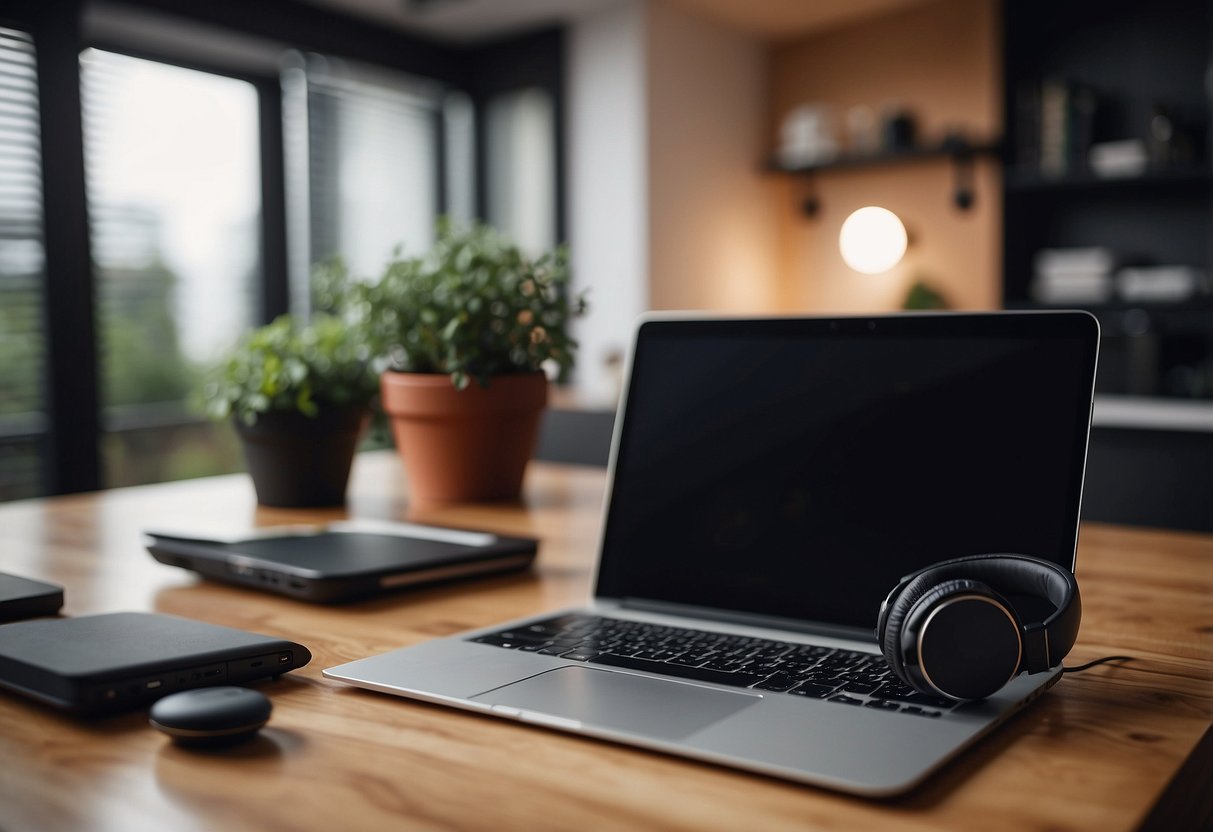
467	330
299	397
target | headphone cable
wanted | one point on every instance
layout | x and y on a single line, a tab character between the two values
1091	664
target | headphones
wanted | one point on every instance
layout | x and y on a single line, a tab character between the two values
948	630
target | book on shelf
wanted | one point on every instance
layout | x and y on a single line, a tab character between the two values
1073	275
1161	284
1054	126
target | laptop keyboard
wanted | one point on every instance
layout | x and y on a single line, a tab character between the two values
844	676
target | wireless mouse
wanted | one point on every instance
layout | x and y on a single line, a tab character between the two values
211	716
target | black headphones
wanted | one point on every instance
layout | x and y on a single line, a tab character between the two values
948	630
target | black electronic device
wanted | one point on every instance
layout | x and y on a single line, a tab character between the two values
343	561
211	716
26	598
965	627
99	663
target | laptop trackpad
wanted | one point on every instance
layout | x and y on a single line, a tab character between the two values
606	699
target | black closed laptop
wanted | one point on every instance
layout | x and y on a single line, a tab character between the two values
343	561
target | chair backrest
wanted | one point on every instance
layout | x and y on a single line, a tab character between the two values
580	437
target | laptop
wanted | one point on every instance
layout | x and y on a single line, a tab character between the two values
770	480
340	561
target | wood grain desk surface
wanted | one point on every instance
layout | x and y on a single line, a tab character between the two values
1097	752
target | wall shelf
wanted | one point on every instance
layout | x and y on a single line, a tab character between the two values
951	149
959	152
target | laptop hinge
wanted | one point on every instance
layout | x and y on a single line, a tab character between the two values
747	619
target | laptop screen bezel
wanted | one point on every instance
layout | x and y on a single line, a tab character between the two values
1024	324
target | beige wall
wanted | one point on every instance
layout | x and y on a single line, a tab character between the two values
713	219
671	206
940	60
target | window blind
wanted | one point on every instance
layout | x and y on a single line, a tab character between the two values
22	273
363	172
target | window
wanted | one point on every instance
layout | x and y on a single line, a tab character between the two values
367	179
22	272
205	196
521	137
173	178
459	133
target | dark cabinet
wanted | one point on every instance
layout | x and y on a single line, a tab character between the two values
1108	195
1108	206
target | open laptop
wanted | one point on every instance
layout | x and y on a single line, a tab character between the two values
770	481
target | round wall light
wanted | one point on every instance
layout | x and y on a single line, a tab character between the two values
872	240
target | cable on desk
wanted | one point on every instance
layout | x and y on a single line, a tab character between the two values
1091	664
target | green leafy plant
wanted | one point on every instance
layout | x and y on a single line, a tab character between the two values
473	307
922	295
284	366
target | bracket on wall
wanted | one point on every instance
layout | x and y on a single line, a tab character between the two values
961	152
963	190
810	203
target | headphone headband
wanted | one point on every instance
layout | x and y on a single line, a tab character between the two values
1010	574
1045	642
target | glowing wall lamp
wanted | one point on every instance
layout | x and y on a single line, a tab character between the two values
872	240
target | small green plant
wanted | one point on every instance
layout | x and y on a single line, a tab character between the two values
922	295
287	367
473	307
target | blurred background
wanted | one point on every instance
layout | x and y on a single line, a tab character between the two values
171	170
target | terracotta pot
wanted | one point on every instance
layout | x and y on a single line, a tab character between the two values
296	461
464	445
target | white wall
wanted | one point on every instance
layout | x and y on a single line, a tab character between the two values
607	172
668	208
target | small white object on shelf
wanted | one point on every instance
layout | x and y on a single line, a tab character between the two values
1161	284
1118	159
1075	289
1073	275
1087	260
808	136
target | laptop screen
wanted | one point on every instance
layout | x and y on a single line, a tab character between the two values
795	469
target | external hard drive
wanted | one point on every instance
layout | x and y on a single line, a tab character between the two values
112	662
25	598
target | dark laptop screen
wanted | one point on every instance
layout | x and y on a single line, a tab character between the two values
796	469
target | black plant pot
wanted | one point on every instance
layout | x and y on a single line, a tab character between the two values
296	461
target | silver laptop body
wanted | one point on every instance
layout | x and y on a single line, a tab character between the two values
736	507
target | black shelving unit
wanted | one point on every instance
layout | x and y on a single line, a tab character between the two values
1119	63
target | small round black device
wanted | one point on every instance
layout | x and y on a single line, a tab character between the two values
211	716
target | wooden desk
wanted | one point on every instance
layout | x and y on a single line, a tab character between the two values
1097	752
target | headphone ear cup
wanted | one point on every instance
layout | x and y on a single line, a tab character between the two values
899	607
960	639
